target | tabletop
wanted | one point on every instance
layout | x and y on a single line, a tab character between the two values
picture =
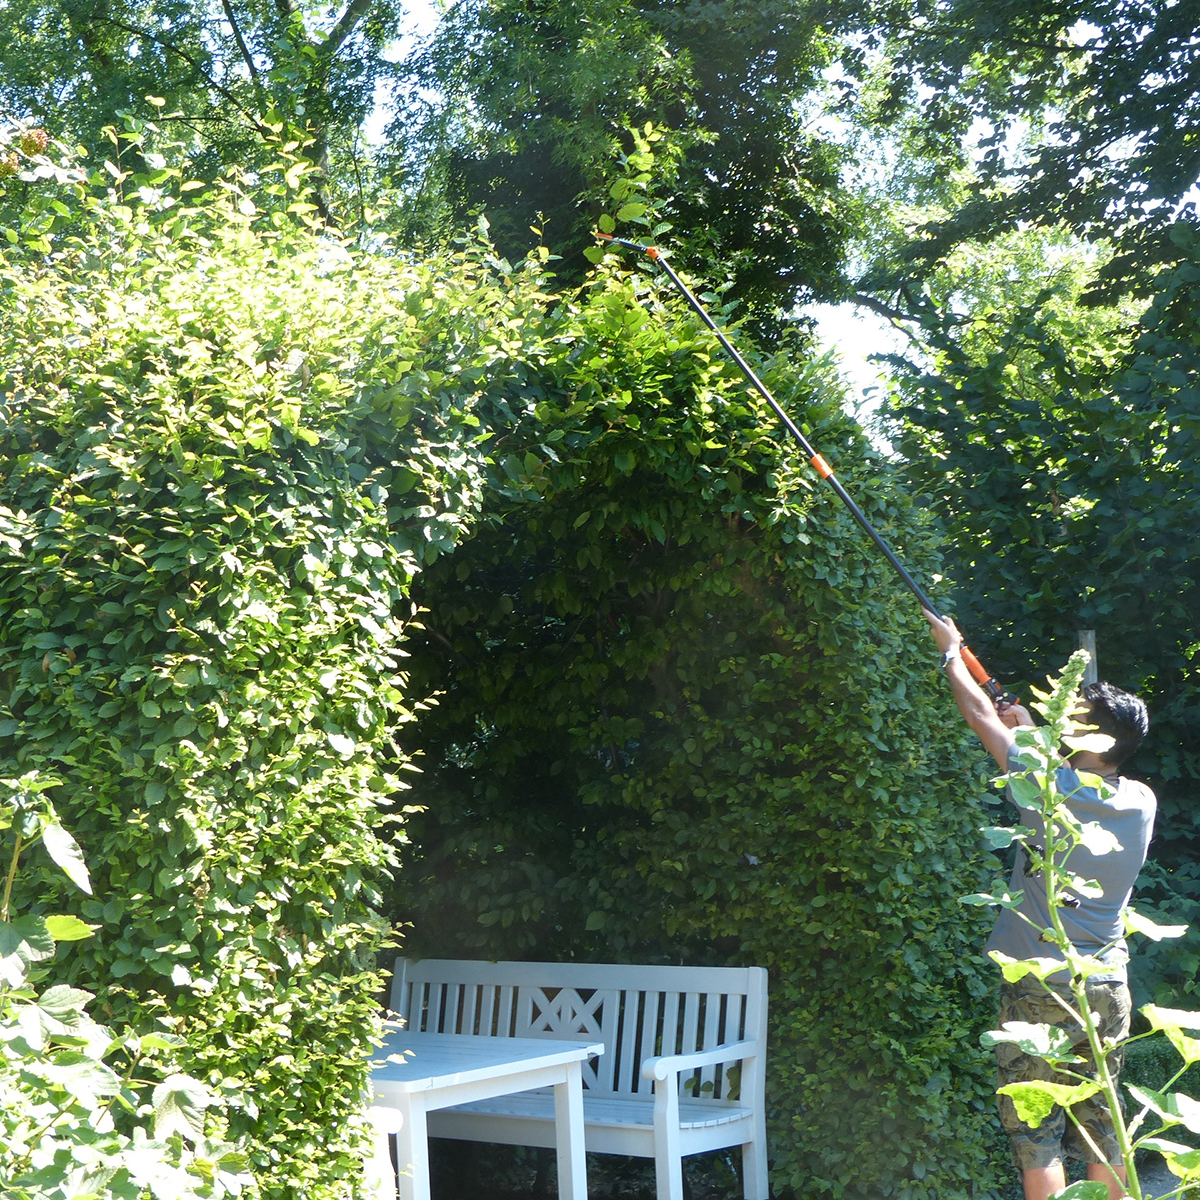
439	1060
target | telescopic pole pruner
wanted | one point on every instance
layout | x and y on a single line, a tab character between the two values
993	689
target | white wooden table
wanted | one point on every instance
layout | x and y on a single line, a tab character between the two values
444	1069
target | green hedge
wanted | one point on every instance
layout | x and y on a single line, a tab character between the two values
227	445
687	716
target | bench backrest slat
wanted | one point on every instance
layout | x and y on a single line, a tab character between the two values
637	1011
710	1076
626	1064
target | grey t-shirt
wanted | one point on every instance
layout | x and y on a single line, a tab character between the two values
1128	815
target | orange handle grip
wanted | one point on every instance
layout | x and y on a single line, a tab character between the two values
995	692
977	669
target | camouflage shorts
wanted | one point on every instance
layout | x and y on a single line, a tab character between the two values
1029	1000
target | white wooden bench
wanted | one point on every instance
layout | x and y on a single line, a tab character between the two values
682	1072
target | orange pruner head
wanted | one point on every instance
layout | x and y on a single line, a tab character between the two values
651	251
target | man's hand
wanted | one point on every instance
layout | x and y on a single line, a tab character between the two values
1013	715
945	632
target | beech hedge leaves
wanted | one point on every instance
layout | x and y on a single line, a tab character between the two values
227	445
685	713
689	716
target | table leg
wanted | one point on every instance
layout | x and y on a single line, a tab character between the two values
568	1135
412	1149
380	1177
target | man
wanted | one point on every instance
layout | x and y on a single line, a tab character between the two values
1095	923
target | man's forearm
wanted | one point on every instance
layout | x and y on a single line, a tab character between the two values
976	708
974	705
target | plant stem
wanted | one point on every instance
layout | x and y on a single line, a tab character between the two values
1078	985
12	874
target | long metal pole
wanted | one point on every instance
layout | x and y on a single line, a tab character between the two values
977	669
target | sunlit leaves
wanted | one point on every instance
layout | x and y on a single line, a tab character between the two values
64	850
179	1104
1045	1041
1136	922
245	440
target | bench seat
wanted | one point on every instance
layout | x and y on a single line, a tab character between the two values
611	1123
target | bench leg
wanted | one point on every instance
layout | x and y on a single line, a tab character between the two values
412	1151
754	1168
668	1145
569	1136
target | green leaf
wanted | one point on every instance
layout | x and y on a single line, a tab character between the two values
1135	922
1017	968
606	223
1035	1100
1083	1189
341	743
1082	886
1001	897
1044	1041
1173	1022
997	837
64	850
69	929
1173	1107
161	1041
27	938
1097	839
1162	1146
82	1077
628	212
63	1003
1025	791
179	1104
1093	743
1185	1166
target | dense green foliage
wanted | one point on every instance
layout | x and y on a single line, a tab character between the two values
644	659
69	1087
231	74
686	717
1062	444
519	108
228	444
1079	111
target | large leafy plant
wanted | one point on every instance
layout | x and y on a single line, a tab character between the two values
1035	786
78	1118
685	718
228	443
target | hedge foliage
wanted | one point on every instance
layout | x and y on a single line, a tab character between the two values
687	716
227	444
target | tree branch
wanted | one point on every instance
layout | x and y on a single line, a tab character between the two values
171	48
243	49
354	13
898	317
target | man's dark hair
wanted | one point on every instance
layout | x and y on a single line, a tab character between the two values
1119	714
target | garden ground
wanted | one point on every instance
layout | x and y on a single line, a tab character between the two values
465	1171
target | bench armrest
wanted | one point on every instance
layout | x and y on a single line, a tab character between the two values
669	1064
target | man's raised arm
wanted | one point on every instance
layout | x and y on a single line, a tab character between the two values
993	728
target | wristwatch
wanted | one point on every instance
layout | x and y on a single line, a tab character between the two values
949	656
